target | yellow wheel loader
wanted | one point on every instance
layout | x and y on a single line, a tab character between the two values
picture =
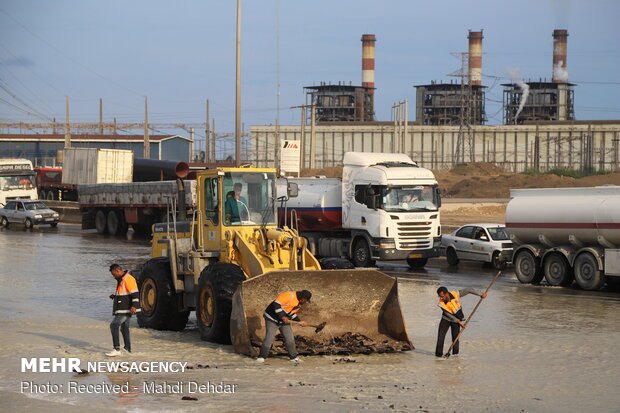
231	258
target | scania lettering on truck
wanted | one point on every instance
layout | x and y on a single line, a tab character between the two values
17	180
566	235
384	208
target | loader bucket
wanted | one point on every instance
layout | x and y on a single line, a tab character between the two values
360	307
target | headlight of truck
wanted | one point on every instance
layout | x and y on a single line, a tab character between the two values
385	244
38	216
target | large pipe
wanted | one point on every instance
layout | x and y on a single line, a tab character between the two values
475	57
560	40
368	61
154	170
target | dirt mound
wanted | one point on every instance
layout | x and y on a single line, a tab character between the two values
347	343
329	172
477	168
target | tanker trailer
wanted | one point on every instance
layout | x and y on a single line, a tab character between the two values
385	208
566	234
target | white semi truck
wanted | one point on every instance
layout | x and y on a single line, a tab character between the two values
17	180
566	234
384	208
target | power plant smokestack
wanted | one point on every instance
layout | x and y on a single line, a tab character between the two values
475	57
368	61
560	40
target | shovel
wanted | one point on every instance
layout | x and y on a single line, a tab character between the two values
471	315
317	328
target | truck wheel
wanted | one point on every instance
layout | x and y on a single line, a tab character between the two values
527	269
4	222
587	274
101	222
557	270
116	222
498	263
218	282
415	263
28	223
158	299
333	263
452	258
361	254
50	195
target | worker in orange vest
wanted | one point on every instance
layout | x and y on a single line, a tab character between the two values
452	315
277	316
126	303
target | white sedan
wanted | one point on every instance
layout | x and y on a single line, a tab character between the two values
478	242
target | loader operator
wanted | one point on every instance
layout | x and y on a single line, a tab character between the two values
233	198
452	315
126	303
277	316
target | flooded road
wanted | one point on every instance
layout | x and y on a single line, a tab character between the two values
528	348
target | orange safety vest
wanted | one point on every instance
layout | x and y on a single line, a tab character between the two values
126	295
452	306
289	302
127	285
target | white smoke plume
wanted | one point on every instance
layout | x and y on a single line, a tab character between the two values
559	72
515	75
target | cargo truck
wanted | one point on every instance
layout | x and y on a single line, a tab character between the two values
384	208
566	235
17	180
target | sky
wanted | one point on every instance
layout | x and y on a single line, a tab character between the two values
179	54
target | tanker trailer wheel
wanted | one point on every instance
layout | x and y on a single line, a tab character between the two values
452	258
361	254
158	300
333	263
116	222
527	269
497	260
557	270
415	263
587	274
101	222
218	282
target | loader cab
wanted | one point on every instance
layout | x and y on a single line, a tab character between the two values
234	198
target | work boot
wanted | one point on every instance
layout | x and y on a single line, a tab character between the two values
260	360
114	353
296	360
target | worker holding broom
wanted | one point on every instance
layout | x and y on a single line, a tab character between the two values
452	316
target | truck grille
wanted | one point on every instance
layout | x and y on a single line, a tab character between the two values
414	235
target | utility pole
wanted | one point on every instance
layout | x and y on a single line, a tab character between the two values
302	136
207	137
238	90
100	116
313	137
213	152
466	136
147	142
67	125
405	133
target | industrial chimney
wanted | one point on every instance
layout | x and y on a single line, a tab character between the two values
475	57
368	61
560	39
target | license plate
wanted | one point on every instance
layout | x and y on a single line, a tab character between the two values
415	255
49	220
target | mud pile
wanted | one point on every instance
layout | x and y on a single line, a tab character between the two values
344	344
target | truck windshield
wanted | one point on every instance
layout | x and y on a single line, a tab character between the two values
410	199
10	182
249	198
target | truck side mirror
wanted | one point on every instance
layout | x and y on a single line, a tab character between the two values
438	197
292	189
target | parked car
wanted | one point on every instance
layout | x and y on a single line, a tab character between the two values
478	242
29	213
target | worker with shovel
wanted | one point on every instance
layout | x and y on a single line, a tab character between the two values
277	316
452	316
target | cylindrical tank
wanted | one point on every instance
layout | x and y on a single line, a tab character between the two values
145	170
318	204
565	216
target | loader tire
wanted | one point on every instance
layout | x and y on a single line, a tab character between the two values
158	299
335	264
216	286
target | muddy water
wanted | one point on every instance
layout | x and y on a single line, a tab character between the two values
530	348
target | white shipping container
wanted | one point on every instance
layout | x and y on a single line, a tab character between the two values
83	166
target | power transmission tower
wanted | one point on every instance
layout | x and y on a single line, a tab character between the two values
465	140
